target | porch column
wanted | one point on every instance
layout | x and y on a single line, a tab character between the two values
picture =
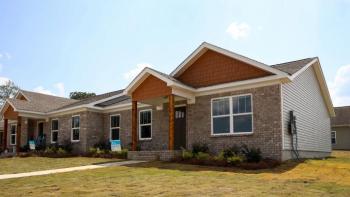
134	125
171	122
18	132
4	143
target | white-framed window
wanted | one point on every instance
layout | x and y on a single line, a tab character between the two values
54	131
75	136
13	134
232	115
114	127
145	124
334	137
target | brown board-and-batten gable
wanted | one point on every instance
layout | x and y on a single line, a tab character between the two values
213	68
151	87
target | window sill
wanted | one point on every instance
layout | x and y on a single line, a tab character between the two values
232	134
145	139
75	141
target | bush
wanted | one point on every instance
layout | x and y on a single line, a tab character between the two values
92	150
198	147
187	154
123	154
103	145
202	156
50	150
230	152
67	146
61	151
24	148
234	160
251	154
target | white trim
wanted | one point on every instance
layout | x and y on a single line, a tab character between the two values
231	115
235	86
110	125
321	81
147	72
75	128
206	46
58	127
282	115
13	144
150	124
335	137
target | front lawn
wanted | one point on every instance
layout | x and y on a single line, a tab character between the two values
330	177
29	164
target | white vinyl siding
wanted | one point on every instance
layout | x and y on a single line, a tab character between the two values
304	97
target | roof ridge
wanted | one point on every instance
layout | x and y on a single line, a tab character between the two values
22	90
272	65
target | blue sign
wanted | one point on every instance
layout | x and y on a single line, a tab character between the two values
115	145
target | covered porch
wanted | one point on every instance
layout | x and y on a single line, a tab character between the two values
19	128
169	98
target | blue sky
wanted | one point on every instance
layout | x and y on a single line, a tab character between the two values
98	46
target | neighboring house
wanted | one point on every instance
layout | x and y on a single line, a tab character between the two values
214	96
341	128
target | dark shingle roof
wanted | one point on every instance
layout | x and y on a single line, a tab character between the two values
92	99
293	66
119	100
38	102
342	116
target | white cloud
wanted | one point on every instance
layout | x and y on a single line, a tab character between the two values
60	88
4	80
41	89
339	87
135	71
238	30
5	55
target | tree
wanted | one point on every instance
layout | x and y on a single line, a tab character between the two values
81	95
8	90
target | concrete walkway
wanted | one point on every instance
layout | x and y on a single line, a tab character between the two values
61	170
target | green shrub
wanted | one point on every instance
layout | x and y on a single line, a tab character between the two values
198	147
50	150
187	154
231	151
202	156
67	146
103	145
234	160
251	154
92	150
61	151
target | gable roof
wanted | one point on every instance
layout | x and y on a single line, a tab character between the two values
207	46
169	80
342	116
37	102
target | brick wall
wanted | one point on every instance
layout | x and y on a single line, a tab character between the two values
214	68
266	122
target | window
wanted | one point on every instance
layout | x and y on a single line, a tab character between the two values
145	130
334	137
115	127
232	115
54	131
75	128
13	134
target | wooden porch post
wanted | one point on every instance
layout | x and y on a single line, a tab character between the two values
18	136
4	143
134	125
171	122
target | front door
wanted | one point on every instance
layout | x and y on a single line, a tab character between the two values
41	129
180	128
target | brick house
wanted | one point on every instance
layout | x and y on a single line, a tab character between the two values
214	96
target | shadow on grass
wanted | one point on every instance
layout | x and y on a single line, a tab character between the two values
107	162
284	167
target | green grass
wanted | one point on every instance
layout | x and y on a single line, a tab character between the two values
29	164
330	177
